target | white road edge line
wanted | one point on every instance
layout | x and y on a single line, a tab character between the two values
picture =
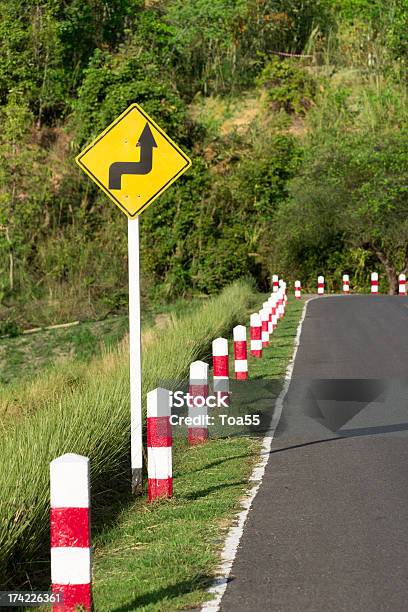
235	532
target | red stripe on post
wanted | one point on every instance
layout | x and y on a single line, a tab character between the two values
159	432
241	375
197	435
75	597
223	395
159	487
240	349
256	332
220	365
198	390
70	527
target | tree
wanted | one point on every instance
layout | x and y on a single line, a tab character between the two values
351	194
23	189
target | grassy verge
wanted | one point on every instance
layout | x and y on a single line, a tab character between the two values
23	356
92	418
163	556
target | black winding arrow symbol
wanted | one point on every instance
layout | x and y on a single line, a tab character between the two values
146	143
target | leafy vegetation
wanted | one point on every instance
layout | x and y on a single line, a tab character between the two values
292	74
89	414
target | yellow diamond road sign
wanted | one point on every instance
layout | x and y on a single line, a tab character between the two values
133	161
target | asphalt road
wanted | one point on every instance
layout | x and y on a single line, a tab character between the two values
328	529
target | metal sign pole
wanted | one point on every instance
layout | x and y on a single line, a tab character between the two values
133	180
136	442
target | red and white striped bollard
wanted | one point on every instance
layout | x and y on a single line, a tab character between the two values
71	564
240	353
159	445
346	283
320	285
256	335
275	283
374	282
221	369
274	317
267	306
402	290
264	314
298	290
198	390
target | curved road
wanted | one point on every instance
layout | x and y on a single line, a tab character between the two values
328	529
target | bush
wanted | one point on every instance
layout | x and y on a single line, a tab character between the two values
289	87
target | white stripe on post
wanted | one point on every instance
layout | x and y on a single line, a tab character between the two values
275	283
198	390
221	369
320	285
272	311
346	283
240	353
401	284
284	296
256	335
264	314
267	306
70	531
298	290
281	302
374	282
159	445
274	317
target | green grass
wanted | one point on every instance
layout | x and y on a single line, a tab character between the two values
91	417
23	356
163	556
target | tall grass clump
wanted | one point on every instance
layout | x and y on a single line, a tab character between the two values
93	420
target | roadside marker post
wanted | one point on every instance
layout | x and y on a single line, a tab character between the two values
374	283
263	313
346	283
71	564
274	317
275	283
133	161
272	311
298	290
268	307
221	368
198	388
240	353
320	285
402	290
256	335
159	445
